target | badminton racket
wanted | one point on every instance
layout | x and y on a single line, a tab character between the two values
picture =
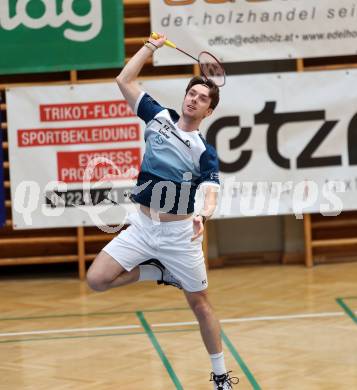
210	67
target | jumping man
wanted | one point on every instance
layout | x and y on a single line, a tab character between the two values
177	160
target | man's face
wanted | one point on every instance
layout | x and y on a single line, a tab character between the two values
196	104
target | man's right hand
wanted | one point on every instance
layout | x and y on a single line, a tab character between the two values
158	42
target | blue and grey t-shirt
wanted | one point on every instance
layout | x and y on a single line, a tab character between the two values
175	162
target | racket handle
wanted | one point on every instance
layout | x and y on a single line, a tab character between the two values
167	42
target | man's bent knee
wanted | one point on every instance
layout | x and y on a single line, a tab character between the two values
96	281
102	272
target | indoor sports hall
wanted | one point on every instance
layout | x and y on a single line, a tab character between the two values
247	279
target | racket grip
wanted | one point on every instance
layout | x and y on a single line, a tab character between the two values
167	42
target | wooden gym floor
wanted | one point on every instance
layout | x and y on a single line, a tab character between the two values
284	327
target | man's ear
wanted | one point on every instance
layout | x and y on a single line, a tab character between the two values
208	112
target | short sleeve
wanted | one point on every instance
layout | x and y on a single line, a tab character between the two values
209	166
147	108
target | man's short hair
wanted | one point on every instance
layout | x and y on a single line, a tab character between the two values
210	84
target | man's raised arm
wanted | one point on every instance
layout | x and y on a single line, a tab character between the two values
127	78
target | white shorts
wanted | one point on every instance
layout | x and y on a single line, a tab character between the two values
169	242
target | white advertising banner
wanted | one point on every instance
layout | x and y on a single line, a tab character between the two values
287	144
75	151
249	30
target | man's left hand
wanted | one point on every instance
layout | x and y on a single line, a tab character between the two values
198	227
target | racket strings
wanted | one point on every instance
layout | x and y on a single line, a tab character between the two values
211	68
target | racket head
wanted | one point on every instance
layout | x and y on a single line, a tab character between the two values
211	68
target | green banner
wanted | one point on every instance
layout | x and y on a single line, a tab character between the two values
56	35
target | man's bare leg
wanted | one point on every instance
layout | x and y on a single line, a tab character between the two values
105	273
209	324
211	336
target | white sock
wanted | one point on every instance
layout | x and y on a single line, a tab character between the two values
218	365
149	272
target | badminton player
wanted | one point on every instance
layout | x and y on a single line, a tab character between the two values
177	160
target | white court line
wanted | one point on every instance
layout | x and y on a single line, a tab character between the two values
266	318
69	330
172	324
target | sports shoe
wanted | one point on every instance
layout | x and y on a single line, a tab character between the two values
166	276
224	381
